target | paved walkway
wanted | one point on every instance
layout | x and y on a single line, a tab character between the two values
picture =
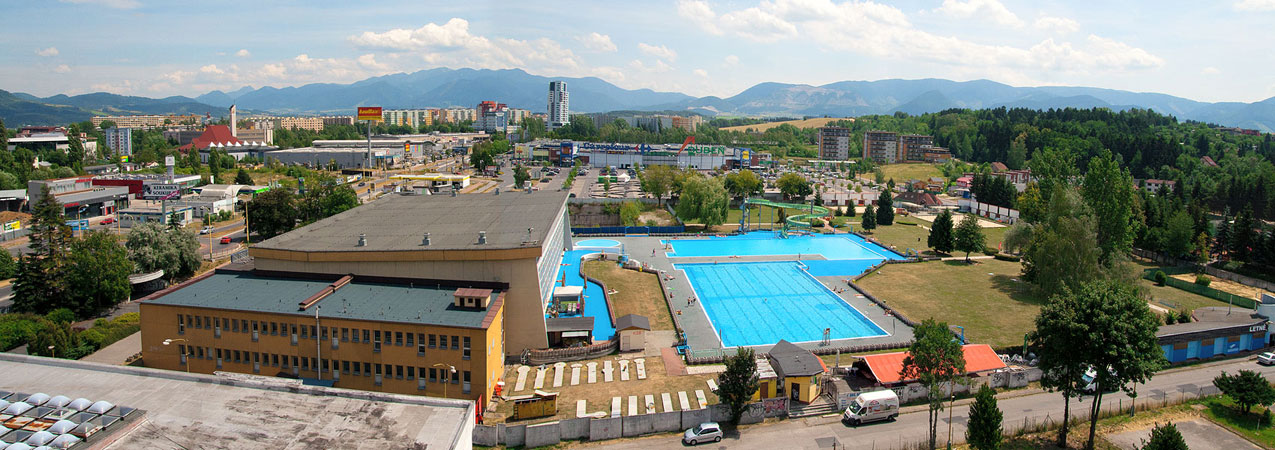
117	353
1198	434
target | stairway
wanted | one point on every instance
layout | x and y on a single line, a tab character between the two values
818	408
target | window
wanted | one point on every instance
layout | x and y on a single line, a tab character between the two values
354	335
198	323
365	338
235	356
305	333
398	338
433	376
199	352
314	332
274	329
345	367
294	361
294	329
398	372
420	346
345	335
454	377
367	369
208	322
244	325
358	368
411	373
234	326
181	324
410	338
432	341
378	368
465	351
323	333
465	387
455	342
274	360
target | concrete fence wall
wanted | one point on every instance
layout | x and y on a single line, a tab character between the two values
542	434
550	433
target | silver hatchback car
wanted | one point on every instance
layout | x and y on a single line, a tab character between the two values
704	432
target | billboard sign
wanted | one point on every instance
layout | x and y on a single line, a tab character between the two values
12	226
369	113
156	190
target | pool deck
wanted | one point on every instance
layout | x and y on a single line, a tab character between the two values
699	330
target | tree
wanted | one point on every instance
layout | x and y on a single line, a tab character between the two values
743	183
10	182
1165	437
107	124
885	208
151	247
520	176
629	213
98	275
1247	388
969	236
1031	205
941	238
936	360
8	266
482	155
984	429
869	218
325	197
658	181
794	186
736	386
1176	239
1063	252
1017	157
1242	235
1223	238
1018	237
40	286
1108	190
704	200
243	178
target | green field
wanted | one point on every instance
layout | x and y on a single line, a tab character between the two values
904	172
903	236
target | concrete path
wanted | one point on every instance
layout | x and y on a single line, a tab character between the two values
522	378
558	368
673	364
1198	434
683	401
668	401
705	369
575	374
117	353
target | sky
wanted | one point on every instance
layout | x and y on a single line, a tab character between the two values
1206	51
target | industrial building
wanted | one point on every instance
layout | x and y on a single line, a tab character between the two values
834	143
623	156
340	157
80	197
148	186
1217	331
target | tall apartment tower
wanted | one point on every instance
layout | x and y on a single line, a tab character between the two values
558	115
834	143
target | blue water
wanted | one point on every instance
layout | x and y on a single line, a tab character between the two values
595	304
597	243
846	254
761	303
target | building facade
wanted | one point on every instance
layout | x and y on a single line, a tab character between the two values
834	143
885	147
119	140
558	107
881	146
147	121
414	118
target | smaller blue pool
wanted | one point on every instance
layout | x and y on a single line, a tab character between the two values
597	243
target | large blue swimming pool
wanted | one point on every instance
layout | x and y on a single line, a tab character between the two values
761	303
845	254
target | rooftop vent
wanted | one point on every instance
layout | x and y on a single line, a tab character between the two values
362	240
425	241
482	237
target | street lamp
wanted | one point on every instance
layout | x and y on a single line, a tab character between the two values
54	353
186	351
451	369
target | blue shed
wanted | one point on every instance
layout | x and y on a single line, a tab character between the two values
1214	331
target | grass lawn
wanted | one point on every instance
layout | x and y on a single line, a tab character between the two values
597	396
638	292
1171	297
984	297
901	173
903	236
1223	411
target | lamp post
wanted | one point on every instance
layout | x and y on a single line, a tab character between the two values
53	352
451	372
185	351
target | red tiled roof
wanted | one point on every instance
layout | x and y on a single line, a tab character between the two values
1208	161
213	134
999	167
887	366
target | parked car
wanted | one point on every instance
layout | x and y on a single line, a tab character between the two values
225	239
704	432
107	221
1090	379
205	230
871	407
1266	359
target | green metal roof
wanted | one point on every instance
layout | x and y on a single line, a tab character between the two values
243	291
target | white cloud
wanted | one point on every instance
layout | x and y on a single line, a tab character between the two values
369	61
731	60
758	25
452	44
1059	25
243	53
117	4
992	10
51	51
658	51
1255	5
700	73
211	69
697	11
597	42
62	68
659	67
1210	71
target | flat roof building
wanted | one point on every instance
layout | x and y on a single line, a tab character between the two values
834	143
1214	331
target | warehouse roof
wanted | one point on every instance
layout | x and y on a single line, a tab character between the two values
399	223
402	303
1212	318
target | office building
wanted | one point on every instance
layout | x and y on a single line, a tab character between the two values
119	140
834	143
558	106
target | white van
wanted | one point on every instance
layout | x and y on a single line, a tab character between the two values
871	407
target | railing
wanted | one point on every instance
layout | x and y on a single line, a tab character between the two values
618	230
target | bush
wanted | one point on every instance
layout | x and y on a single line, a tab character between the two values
1160	278
838	222
816	223
17	329
1203	280
105	332
990	251
652	223
1004	257
1184	317
61	315
1170	318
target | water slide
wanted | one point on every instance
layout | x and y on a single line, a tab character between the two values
800	220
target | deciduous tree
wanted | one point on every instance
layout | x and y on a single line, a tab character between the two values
969	236
1108	190
98	275
736	386
936	360
1247	388
794	186
1165	437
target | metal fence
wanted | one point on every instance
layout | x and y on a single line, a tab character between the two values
1243	302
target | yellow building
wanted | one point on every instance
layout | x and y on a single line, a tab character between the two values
799	371
399	336
767	381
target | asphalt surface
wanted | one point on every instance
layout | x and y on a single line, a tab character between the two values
912	427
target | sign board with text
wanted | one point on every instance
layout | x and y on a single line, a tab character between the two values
369	113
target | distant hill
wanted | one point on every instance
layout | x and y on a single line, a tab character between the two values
443	87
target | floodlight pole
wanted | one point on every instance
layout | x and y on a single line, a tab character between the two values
318	344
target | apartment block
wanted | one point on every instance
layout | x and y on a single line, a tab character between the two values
834	143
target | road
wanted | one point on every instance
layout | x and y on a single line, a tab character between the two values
911	427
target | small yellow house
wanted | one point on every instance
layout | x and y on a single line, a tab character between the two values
799	370
767	381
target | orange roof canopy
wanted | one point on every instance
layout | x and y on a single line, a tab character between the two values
887	366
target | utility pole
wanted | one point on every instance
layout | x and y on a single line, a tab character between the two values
318	344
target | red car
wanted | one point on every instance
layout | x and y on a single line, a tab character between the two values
107	221
225	239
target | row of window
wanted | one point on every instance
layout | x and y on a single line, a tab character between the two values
374	337
356	368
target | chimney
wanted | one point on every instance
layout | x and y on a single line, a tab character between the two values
530	232
482	237
234	123
425	241
362	240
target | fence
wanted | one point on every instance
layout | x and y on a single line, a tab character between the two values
628	230
552	355
605	428
1243	302
1193	266
14	234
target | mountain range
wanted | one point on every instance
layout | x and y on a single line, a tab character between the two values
466	87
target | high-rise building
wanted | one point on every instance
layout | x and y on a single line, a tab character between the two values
834	143
558	103
119	140
881	146
493	117
887	147
912	147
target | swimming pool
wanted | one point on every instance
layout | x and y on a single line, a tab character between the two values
598	243
759	303
845	254
595	304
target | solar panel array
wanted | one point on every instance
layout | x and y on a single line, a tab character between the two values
41	421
